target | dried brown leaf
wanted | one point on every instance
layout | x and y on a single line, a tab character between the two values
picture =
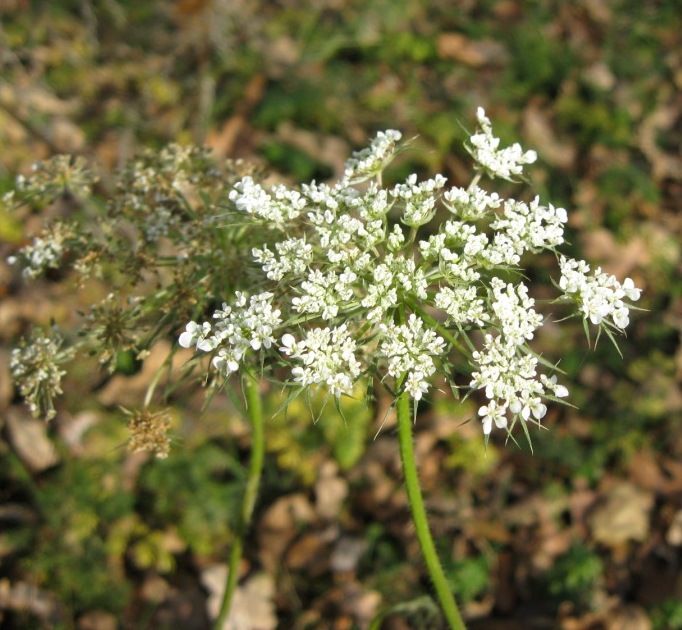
331	491
29	438
280	525
623	516
474	53
540	133
252	604
23	597
661	122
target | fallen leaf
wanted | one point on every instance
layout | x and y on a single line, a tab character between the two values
601	247
599	75
360	604
660	475
29	438
129	391
224	141
330	491
322	148
659	123
347	553
475	53
309	552
252	607
623	516
97	620
72	429
674	534
23	598
615	617
280	525
539	132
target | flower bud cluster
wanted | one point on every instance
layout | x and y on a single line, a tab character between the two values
353	292
61	174
45	252
147	239
36	366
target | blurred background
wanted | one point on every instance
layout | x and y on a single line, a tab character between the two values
585	532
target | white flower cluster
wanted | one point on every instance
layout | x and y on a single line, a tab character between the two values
356	293
514	311
507	372
294	255
369	162
45	252
531	226
282	206
236	331
409	350
470	205
324	294
462	305
393	276
419	199
328	357
508	377
599	296
484	148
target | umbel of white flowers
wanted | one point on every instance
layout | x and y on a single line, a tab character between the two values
354	293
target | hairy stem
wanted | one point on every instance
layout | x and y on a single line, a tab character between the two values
414	494
254	410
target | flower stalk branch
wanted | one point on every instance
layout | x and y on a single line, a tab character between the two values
254	410
419	518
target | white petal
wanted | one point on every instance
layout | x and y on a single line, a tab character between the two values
560	391
186	339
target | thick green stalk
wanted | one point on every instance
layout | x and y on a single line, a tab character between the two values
414	494
254	409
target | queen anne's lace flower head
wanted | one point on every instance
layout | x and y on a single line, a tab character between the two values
354	293
36	365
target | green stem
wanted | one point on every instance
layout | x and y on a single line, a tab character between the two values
254	411
474	182
414	494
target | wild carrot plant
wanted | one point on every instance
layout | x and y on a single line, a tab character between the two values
326	286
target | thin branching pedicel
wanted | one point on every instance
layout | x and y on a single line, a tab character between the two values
351	292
